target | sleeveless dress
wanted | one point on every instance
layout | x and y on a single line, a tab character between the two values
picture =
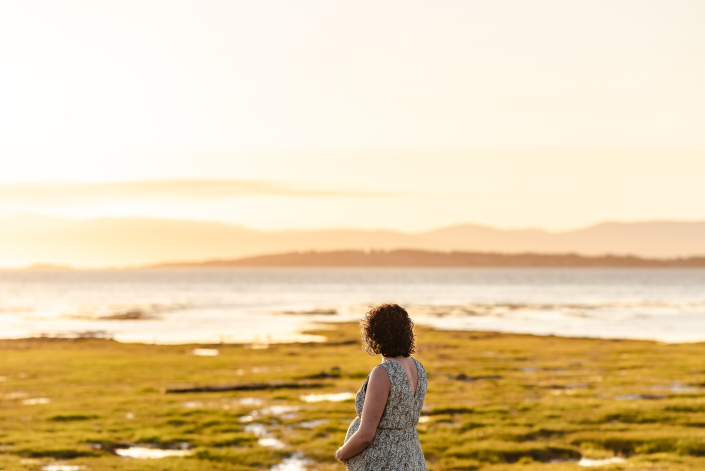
395	446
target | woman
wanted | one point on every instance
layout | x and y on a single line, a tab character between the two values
383	435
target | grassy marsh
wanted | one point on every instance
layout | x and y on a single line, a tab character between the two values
495	402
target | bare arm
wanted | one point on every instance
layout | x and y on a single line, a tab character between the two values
375	400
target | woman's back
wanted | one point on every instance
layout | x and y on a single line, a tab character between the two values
396	442
408	364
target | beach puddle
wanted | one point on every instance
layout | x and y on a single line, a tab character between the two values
295	462
205	352
16	395
278	410
271	442
602	462
250	401
144	453
327	397
258	429
265	439
36	400
313	423
223	403
192	404
283	411
61	467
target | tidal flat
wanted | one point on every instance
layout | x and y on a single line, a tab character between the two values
495	402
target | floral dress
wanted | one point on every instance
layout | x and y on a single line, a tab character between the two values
395	446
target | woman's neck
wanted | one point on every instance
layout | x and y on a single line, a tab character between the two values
391	358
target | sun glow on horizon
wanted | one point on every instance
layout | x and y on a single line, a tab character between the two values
552	114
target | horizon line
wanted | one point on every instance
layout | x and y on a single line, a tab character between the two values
351	228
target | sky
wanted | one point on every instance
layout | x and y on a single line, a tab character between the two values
313	114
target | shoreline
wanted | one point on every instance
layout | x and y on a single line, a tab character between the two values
261	345
265	305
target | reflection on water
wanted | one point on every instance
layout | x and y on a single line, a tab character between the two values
262	306
144	453
265	439
602	462
205	352
62	467
36	400
327	397
296	462
312	423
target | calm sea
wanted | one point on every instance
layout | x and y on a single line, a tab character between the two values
274	305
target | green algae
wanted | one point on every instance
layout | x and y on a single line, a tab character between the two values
495	402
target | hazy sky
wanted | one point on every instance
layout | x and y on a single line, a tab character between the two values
399	114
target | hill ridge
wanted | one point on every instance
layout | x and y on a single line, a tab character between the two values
423	258
141	241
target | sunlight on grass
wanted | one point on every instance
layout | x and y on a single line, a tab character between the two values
495	402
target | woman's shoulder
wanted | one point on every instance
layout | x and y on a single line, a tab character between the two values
380	371
379	376
419	365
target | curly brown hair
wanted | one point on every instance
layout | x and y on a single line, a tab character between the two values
388	329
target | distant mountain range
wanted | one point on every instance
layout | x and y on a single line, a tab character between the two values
422	258
139	241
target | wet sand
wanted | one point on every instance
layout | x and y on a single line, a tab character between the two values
263	306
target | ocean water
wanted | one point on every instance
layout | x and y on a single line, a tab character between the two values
268	305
